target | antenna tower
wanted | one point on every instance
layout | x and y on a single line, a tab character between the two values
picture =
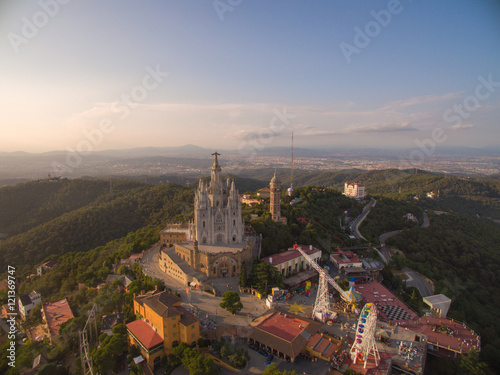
290	189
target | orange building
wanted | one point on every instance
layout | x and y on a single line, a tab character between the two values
164	324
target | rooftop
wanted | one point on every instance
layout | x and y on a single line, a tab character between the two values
438	298
109	321
285	332
446	333
162	303
50	263
283	326
388	305
25	300
144	333
56	313
289	255
187	318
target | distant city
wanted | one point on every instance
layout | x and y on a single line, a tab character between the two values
191	162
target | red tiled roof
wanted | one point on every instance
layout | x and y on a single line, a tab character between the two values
289	255
283	326
313	340
48	264
144	333
56	313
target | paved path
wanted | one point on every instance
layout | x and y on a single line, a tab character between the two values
206	305
426	222
358	220
414	279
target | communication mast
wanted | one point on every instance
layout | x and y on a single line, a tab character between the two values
290	189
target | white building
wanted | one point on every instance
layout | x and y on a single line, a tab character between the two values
292	260
217	211
354	190
26	303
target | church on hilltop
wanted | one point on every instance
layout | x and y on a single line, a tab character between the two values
215	243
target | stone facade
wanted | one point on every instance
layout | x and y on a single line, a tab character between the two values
215	243
275	188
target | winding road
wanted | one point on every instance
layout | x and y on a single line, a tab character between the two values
414	278
354	226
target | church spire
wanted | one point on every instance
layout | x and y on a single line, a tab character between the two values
215	154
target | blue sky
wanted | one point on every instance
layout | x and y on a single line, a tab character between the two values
67	67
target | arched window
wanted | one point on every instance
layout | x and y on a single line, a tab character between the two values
204	240
203	224
234	238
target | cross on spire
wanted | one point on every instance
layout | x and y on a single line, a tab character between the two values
215	157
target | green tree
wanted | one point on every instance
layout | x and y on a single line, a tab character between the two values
231	302
470	365
272	369
243	276
264	275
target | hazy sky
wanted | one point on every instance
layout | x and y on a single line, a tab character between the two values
230	73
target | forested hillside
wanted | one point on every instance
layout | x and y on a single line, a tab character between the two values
469	196
97	223
462	255
24	206
389	215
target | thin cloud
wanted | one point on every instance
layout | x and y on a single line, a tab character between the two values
375	128
420	100
461	127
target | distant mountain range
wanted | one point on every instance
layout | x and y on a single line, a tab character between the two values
201	152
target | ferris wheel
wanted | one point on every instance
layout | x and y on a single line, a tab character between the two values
364	341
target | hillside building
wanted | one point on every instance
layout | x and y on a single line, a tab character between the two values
54	315
354	190
26	303
215	243
164	324
283	334
292	260
345	259
45	267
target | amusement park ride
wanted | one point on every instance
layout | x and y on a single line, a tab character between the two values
364	342
322	307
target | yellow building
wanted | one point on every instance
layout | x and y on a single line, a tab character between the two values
164	324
